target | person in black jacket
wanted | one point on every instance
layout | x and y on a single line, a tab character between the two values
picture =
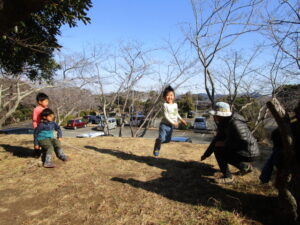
233	144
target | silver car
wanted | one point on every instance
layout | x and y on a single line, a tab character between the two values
112	124
200	124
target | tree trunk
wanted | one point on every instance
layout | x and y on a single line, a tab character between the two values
287	201
106	125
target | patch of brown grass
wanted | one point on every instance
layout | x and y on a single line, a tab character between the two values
117	181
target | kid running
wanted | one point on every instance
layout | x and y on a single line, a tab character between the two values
44	137
169	120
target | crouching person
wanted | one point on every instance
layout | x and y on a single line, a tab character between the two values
233	144
44	137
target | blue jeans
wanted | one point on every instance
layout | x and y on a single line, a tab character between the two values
165	135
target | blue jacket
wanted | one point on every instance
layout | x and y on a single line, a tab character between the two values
45	130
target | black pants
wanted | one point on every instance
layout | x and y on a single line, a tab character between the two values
225	157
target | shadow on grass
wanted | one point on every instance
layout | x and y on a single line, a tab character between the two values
187	182
18	151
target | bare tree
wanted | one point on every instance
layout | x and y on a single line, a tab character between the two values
235	73
12	92
103	99
179	69
283	25
217	24
78	68
129	67
67	101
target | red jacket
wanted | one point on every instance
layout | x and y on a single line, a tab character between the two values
36	116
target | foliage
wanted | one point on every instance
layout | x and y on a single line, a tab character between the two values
29	48
288	95
186	103
87	112
23	112
240	101
183	127
83	113
148	104
66	119
93	113
206	115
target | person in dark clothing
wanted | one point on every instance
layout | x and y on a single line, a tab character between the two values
44	137
276	157
233	144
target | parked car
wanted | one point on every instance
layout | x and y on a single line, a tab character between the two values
136	120
97	119
91	134
74	124
200	124
89	118
112	124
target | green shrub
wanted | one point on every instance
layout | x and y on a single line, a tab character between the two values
183	127
23	112
119	121
87	112
206	115
112	114
65	121
83	113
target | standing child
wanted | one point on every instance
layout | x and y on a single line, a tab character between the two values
44	137
169	120
42	103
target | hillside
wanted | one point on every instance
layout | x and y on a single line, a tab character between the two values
117	181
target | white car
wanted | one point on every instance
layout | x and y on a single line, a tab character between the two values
112	124
90	135
200	124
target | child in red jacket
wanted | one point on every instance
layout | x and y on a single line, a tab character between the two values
42	103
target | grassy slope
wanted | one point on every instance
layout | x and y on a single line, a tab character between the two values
117	181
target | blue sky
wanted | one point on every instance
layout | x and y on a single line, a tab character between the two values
113	20
147	21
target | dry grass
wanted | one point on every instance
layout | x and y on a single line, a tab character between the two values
117	181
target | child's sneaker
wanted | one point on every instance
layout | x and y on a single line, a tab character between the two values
61	155
243	172
224	180
48	161
49	165
65	158
156	153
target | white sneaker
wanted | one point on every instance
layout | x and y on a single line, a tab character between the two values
224	180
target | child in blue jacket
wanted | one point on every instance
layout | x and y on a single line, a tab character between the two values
44	137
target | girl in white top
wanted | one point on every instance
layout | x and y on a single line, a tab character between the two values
169	120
